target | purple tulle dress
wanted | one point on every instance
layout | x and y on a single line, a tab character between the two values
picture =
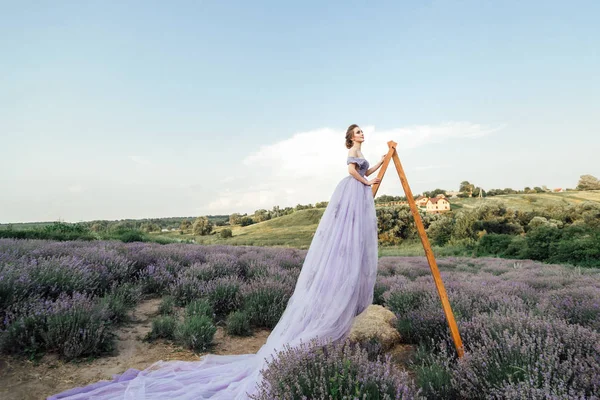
335	284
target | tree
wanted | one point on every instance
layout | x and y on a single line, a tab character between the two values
185	225
261	215
276	212
588	182
202	226
235	219
149	227
99	226
440	230
245	221
434	193
303	207
477	190
467	188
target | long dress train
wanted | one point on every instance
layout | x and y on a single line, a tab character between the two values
335	284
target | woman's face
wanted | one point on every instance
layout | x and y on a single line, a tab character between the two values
357	135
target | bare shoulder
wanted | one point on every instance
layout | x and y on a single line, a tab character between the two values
352	153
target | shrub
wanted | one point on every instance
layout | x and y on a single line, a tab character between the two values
245	221
199	307
407	299
163	327
224	295
440	230
433	371
493	244
71	325
167	305
334	371
196	332
226	233
185	289
378	290
373	347
265	301
238	324
51	276
23	335
155	278
130	236
536	354
578	245
120	300
420	325
578	305
540	242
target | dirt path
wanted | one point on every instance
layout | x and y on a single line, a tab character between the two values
26	380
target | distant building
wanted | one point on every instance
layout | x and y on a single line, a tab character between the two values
422	201
432	205
559	190
437	205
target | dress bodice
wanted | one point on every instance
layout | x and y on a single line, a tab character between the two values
363	164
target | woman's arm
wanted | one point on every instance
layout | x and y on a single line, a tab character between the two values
374	168
352	171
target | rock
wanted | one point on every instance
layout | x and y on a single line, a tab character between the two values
375	322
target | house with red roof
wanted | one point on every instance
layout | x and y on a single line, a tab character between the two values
436	205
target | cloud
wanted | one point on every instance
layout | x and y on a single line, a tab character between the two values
75	189
306	167
432	166
139	160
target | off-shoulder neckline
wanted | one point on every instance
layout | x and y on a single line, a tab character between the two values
358	158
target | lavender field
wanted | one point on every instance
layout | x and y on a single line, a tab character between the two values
530	330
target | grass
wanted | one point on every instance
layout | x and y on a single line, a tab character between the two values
533	201
296	230
415	249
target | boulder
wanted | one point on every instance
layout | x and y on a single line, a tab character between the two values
376	322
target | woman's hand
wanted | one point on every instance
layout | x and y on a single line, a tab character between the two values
382	158
373	181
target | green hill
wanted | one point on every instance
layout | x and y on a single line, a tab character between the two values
529	202
297	229
293	230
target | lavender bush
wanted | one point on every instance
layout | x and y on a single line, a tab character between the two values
199	307
73	326
332	371
196	332
238	324
163	327
265	300
120	300
67	297
167	306
223	294
530	330
520	350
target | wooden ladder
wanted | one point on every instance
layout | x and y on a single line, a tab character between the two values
393	155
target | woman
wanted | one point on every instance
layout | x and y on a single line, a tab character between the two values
335	284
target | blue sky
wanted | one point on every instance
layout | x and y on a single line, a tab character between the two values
147	109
